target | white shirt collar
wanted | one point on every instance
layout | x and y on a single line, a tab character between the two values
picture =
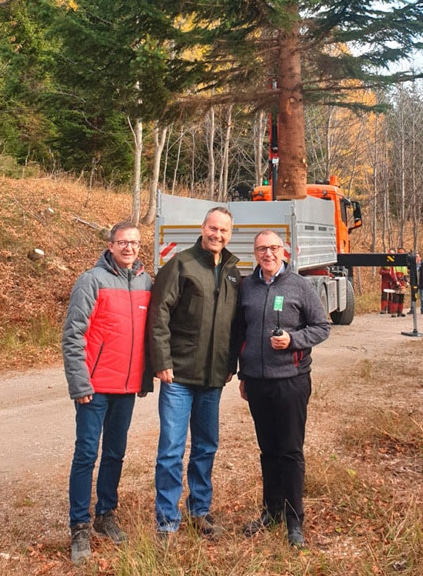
272	279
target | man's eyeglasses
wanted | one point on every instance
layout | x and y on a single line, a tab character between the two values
125	243
263	249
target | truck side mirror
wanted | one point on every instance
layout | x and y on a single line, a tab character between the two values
357	215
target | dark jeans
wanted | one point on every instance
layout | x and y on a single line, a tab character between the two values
279	410
179	407
110	414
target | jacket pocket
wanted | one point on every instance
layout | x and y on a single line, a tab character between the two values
298	356
97	359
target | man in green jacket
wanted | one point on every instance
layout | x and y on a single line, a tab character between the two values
191	318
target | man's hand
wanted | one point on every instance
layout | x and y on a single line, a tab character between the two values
84	399
280	342
165	375
242	390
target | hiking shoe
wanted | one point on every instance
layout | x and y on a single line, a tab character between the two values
296	537
265	521
206	526
106	525
166	538
80	543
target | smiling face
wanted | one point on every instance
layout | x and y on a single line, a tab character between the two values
125	247
216	232
268	252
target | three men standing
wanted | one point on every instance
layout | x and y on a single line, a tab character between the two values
196	325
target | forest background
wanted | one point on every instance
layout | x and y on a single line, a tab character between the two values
133	96
176	96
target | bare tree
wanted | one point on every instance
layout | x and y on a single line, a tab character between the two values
159	135
137	132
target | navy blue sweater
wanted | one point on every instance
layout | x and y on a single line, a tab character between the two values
302	316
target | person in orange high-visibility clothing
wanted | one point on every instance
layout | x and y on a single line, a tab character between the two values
400	282
386	284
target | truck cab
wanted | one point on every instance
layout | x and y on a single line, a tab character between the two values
347	213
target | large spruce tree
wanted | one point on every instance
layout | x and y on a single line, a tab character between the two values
281	53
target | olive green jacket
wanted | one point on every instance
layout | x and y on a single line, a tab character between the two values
191	317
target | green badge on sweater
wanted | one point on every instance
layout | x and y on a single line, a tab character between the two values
278	303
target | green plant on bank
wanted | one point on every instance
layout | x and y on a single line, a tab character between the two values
10	168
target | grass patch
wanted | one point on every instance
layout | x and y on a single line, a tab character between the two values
387	432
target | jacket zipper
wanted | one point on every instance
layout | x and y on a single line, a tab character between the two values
132	330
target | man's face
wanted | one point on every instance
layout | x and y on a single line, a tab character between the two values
125	256
216	232
268	252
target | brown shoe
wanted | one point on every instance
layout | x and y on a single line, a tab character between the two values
206	526
80	543
106	525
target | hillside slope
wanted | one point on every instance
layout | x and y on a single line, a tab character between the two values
50	215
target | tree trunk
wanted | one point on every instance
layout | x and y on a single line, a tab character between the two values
223	188
210	148
159	142
258	139
292	173
136	187
178	157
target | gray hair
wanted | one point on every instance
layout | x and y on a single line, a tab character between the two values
125	225
265	233
221	209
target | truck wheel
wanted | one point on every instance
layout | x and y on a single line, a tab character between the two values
346	316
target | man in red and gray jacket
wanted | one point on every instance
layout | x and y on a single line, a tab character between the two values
105	365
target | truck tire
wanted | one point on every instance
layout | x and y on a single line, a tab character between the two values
345	317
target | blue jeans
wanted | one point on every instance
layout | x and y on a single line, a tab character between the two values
110	413
180	406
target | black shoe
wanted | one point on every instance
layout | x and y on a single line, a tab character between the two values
393	315
80	543
383	312
265	521
401	315
296	537
206	526
106	525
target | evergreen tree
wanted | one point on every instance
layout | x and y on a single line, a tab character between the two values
309	49
25	126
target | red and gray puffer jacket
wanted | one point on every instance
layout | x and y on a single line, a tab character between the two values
104	334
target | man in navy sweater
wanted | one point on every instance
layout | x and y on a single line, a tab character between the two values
280	319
